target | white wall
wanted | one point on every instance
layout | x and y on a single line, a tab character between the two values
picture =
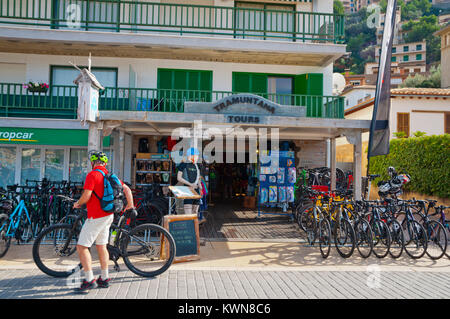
38	69
13	72
431	123
352	97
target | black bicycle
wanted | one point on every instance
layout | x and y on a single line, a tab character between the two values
147	250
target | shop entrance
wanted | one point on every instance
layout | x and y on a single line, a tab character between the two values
234	210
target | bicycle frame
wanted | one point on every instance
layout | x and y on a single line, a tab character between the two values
12	228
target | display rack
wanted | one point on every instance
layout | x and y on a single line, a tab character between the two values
156	169
276	183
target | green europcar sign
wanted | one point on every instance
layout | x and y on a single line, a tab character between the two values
44	136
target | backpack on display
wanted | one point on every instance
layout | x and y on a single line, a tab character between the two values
143	145
112	200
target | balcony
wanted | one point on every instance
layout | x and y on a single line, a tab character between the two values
62	101
161	30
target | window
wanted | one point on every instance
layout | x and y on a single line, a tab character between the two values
78	165
62	76
252	24
394	59
405	48
31	165
98	16
394	50
405	58
418	47
7	166
447	123
418	57
403	123
279	89
54	164
175	86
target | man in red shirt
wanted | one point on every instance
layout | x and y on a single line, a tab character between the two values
96	227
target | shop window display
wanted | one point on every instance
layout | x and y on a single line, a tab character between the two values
7	165
78	167
54	164
31	164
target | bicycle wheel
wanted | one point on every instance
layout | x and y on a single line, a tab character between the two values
149	250
397	239
437	240
54	250
5	241
324	238
416	240
344	238
301	220
364	238
310	223
381	238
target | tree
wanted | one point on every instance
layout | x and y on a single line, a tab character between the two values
421	30
420	81
338	7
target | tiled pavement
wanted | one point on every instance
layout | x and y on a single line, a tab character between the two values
237	284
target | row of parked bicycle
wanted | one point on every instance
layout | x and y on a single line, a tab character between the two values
25	210
388	226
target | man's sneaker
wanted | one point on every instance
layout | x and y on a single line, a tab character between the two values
103	283
85	286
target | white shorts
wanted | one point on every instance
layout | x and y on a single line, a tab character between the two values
95	230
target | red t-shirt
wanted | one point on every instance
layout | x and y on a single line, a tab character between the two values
95	182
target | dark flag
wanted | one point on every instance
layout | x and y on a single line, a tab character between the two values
379	128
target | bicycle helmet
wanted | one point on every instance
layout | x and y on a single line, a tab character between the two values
192	152
391	171
98	156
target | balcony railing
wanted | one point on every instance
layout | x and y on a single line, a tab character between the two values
62	101
148	17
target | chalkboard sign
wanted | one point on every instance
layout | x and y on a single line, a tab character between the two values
185	232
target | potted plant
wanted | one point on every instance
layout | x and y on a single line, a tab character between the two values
35	87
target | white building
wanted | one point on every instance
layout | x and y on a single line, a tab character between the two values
152	57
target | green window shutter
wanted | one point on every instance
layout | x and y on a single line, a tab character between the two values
241	82
249	82
185	85
309	84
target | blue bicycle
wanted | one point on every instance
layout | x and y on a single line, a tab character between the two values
17	225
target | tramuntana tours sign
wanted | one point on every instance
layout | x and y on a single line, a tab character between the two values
245	108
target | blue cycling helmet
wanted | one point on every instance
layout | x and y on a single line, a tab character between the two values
192	152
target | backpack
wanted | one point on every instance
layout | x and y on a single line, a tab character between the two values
112	201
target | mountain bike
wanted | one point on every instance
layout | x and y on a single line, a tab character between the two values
416	239
317	227
387	213
18	225
341	228
147	249
437	235
380	230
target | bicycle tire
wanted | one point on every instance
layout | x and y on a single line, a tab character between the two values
141	230
324	238
381	236
43	261
397	239
364	238
349	239
300	216
415	229
437	236
5	241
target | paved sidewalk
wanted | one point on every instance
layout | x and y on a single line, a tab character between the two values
242	270
236	284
